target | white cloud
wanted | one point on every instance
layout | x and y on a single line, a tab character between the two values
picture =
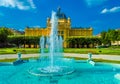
104	10
32	4
94	2
112	10
21	5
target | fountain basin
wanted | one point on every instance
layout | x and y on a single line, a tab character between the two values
62	66
83	73
51	71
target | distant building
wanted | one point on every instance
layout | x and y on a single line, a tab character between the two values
64	29
115	43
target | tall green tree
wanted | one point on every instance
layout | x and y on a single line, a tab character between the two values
105	38
3	35
80	42
113	34
118	37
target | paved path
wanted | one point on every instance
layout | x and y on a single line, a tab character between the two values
105	57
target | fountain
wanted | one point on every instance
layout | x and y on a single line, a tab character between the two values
90	59
19	60
55	63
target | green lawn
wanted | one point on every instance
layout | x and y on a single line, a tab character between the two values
109	51
16	50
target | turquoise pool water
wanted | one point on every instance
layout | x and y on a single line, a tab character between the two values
85	73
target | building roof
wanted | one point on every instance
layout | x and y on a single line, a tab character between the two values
81	28
60	15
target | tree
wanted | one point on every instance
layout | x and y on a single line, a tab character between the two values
113	34
80	42
118	37
22	40
3	35
17	40
105	38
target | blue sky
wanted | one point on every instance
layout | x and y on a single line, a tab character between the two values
99	14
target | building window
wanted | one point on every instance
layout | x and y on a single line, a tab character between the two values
58	32
62	37
62	32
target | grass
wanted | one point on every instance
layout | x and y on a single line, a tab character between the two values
108	51
16	50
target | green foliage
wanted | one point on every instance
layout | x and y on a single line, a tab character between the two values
17	40
108	51
3	35
82	41
22	40
32	40
110	35
4	32
118	37
105	38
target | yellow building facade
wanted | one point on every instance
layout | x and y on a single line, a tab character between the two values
64	29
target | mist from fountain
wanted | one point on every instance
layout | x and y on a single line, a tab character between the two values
56	64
